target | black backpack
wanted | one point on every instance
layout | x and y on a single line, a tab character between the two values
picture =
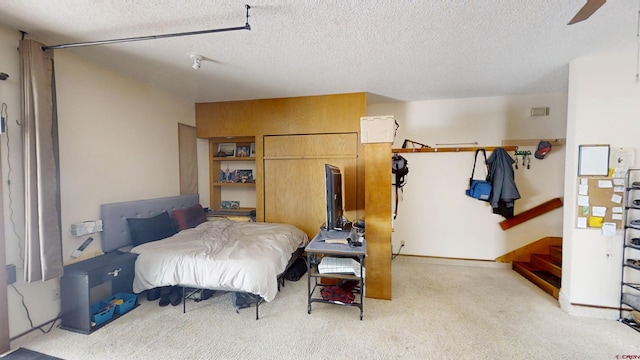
400	167
243	300
297	270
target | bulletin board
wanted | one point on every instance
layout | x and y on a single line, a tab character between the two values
597	195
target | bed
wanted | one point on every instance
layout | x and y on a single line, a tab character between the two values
224	255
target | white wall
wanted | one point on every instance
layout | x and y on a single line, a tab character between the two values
118	142
435	218
13	199
603	108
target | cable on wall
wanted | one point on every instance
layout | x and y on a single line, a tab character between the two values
151	37
5	115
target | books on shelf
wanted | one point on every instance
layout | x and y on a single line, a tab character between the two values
335	265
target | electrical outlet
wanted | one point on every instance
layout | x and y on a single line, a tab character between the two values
11	274
401	242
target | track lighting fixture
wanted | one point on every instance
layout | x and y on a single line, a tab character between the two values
197	60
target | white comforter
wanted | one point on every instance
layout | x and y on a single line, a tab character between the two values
221	254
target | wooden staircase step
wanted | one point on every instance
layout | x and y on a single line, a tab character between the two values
547	263
540	277
540	246
555	251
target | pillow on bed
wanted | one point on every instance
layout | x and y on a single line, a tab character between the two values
190	217
144	230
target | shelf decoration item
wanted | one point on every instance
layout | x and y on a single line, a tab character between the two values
227	176
252	150
244	176
228	149
242	151
230	204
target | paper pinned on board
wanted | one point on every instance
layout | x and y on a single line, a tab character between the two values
618	182
582	223
616	198
599	211
605	184
583	200
609	229
595	221
583	190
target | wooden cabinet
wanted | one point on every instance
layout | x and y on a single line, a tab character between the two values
324	114
294	189
232	174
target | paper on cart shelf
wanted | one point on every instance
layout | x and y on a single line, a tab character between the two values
330	265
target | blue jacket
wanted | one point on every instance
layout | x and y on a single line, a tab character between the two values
503	186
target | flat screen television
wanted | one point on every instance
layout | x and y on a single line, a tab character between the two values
333	191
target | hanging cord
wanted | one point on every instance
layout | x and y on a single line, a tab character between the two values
393	256
53	322
4	113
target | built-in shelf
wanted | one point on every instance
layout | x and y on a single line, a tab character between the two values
235	184
220	164
237	212
234	158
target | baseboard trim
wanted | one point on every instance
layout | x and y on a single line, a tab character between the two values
456	261
585	310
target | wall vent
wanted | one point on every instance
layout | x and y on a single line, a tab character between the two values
540	111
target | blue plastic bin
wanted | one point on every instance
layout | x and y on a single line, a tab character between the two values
128	304
101	312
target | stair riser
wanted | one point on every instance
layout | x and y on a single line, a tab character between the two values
541	283
556	253
544	263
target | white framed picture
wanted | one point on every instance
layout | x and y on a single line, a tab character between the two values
242	151
593	160
228	149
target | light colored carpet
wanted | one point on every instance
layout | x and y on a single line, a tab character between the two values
437	312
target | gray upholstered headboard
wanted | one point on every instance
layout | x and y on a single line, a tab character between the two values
114	217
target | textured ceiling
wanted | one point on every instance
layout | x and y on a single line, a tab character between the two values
396	50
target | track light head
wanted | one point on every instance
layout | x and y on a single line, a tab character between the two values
197	60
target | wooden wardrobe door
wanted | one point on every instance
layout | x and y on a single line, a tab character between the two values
294	177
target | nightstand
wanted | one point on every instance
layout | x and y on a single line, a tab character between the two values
92	280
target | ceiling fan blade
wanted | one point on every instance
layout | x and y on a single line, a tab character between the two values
587	10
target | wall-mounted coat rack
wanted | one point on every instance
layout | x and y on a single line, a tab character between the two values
452	149
526	157
534	142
